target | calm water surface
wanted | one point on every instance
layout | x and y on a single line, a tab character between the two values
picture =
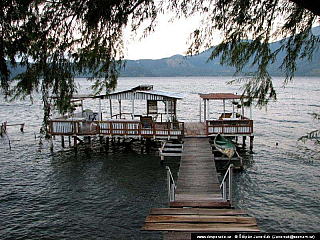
108	195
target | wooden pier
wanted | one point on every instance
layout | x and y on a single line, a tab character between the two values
197	203
198	179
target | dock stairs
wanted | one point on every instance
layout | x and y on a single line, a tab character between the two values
170	149
198	202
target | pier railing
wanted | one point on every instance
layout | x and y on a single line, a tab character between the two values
171	185
243	126
116	128
227	180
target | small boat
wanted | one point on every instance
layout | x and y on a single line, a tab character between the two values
224	146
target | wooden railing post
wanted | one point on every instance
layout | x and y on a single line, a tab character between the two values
207	128
170	185
74	128
154	129
230	183
98	127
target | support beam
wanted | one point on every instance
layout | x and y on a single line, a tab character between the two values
244	141
51	144
82	108
167	110
110	108
200	110
251	143
99	111
204	110
120	108
62	142
208	110
133	97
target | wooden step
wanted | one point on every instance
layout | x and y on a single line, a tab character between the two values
208	204
198	211
171	154
207	227
199	219
172	150
174	145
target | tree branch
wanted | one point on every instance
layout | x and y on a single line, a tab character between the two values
311	5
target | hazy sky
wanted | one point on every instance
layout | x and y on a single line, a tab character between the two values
169	38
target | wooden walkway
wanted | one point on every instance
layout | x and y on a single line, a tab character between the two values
198	179
195	129
198	204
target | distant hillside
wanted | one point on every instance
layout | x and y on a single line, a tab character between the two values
179	65
197	65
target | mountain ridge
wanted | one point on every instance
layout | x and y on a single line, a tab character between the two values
198	65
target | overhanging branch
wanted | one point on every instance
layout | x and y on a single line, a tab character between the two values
311	5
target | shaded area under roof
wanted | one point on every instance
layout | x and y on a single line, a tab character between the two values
220	96
143	92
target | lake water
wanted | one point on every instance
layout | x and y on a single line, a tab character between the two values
108	195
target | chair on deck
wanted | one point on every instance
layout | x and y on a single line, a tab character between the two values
146	121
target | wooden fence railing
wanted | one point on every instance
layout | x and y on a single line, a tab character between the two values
243	126
116	128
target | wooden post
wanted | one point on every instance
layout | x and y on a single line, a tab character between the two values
107	144
230	183
244	141
133	96
62	142
99	111
208	111
141	145
205	110
22	127
110	108
148	144
81	107
69	141
120	108
167	110
75	144
168	183
51	144
251	143
200	109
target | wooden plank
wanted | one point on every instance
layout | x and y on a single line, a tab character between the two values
208	227
210	204
172	150
174	145
171	154
195	197
176	236
198	211
199	219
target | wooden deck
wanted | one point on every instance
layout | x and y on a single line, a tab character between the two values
198	204
194	129
198	179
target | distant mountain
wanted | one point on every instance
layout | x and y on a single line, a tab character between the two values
198	65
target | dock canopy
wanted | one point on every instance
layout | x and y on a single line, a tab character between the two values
146	92
143	92
235	98
220	96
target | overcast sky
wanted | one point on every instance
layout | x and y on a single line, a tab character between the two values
167	40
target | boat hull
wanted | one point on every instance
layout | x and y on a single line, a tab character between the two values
224	146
